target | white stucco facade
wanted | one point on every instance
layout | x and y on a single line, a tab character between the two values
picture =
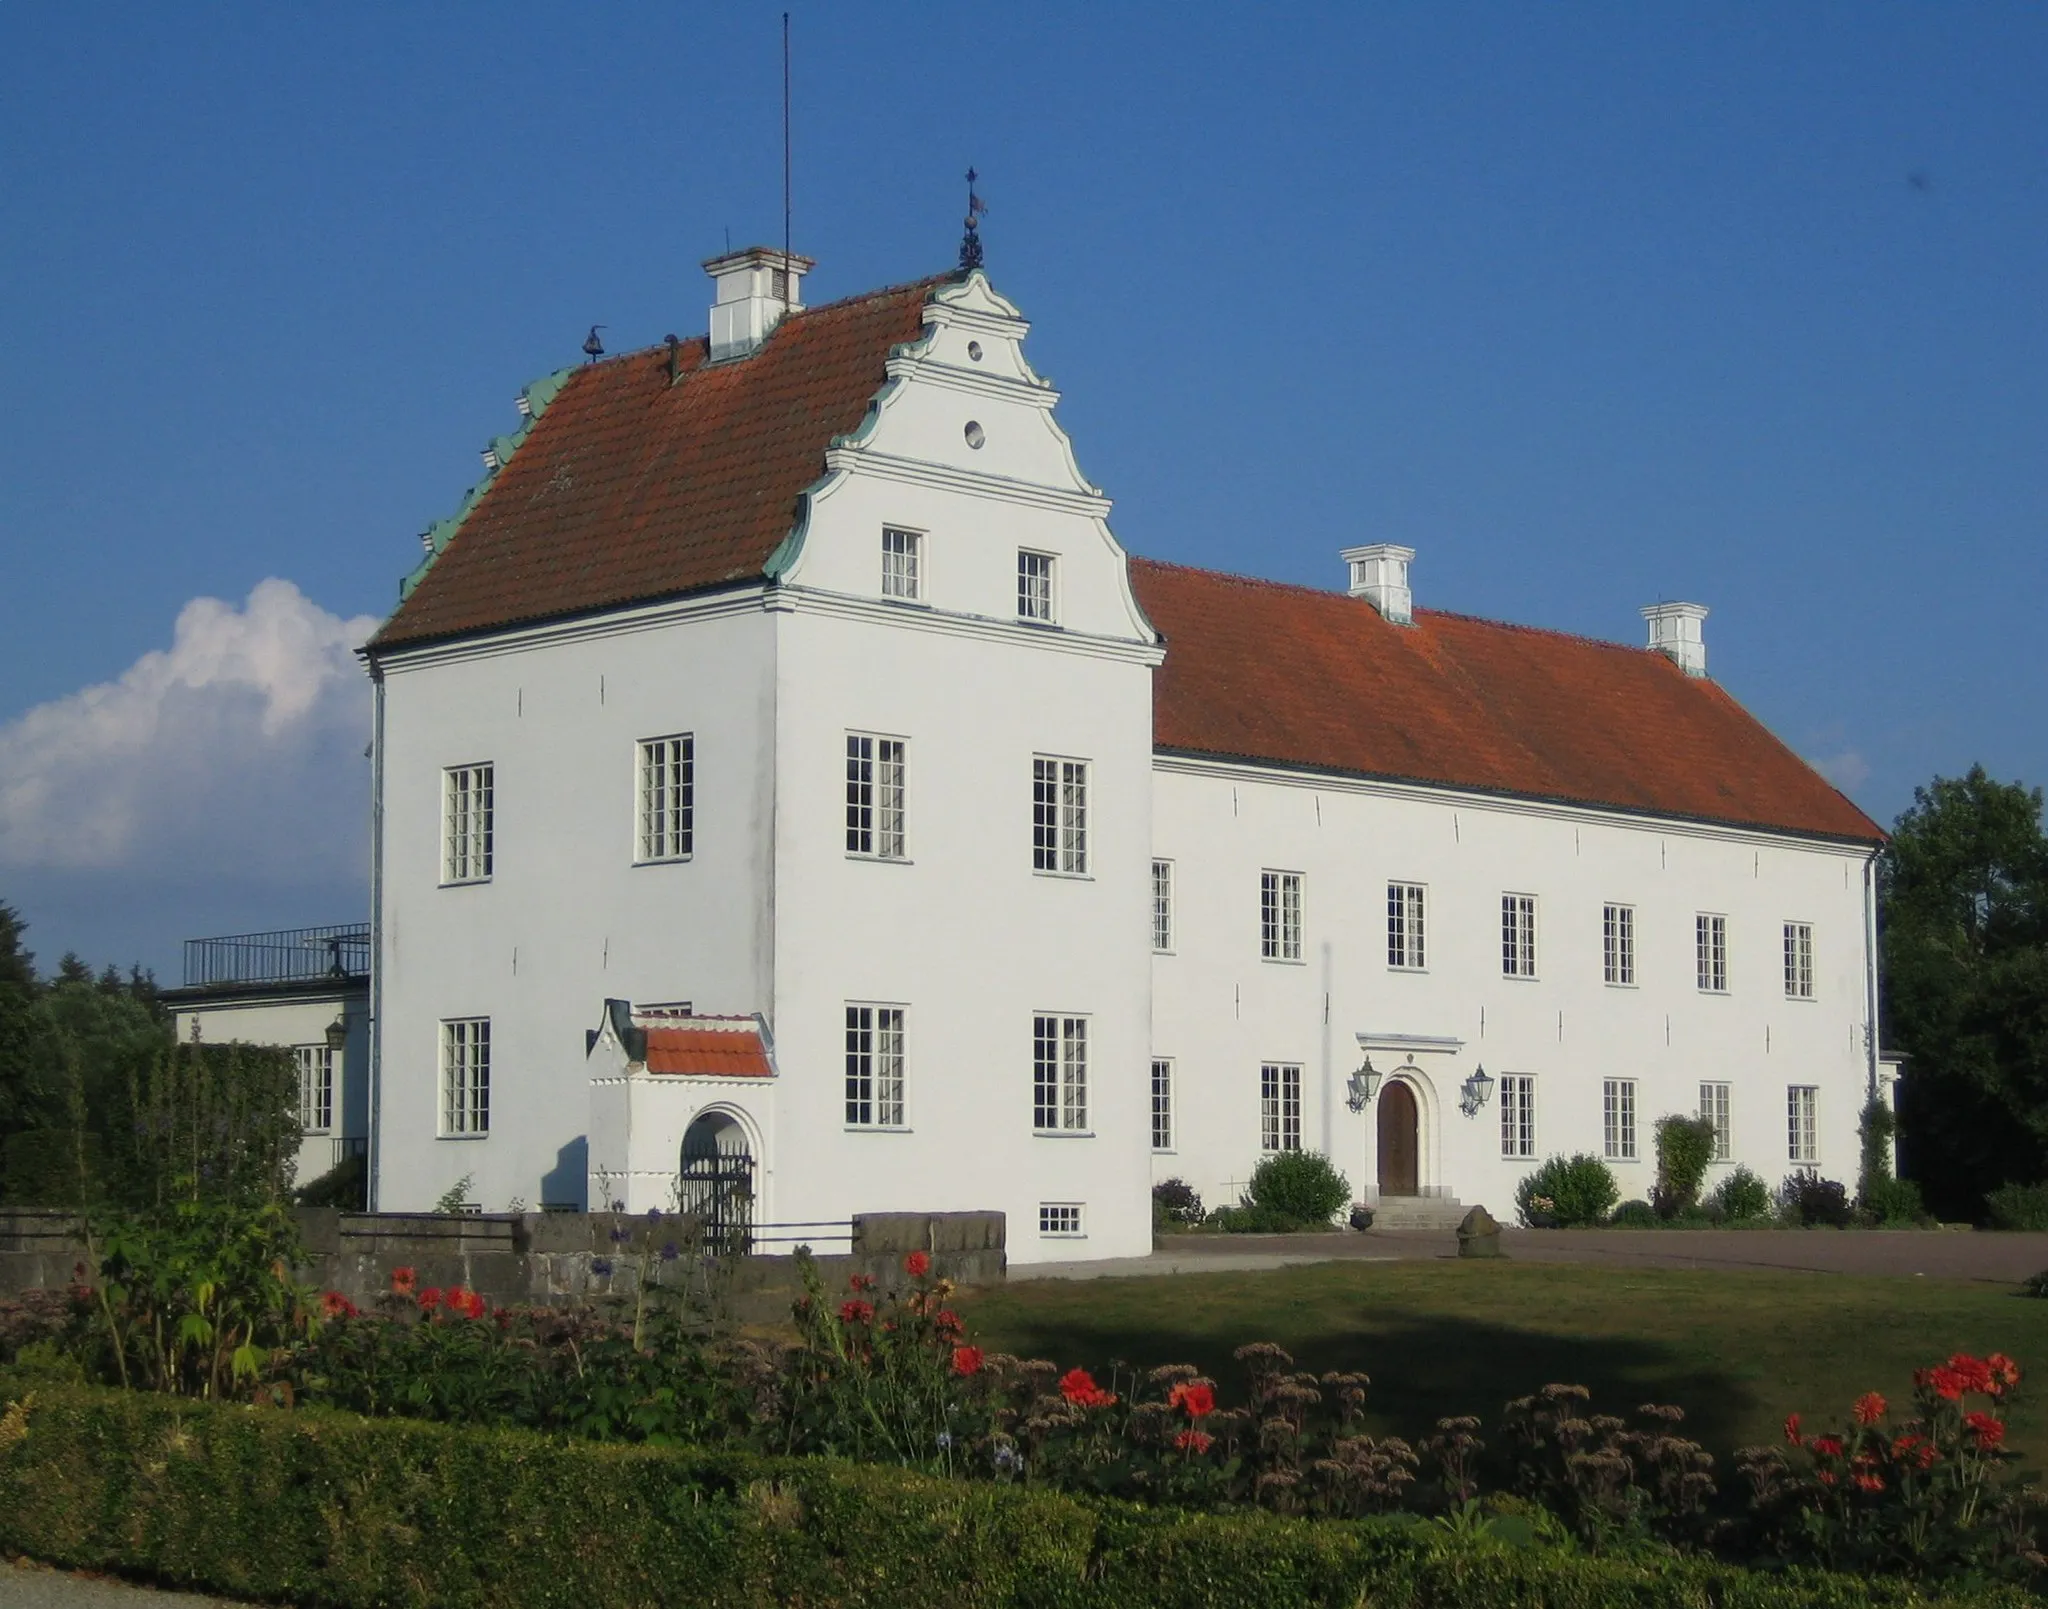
964	932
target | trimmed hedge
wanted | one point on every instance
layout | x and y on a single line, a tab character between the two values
326	1509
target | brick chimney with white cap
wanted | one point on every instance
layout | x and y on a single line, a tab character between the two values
755	288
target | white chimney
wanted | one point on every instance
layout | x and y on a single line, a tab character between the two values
755	288
1379	575
1675	631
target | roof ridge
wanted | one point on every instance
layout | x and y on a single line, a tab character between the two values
660	348
1440	614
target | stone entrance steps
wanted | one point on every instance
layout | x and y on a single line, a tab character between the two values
1418	1212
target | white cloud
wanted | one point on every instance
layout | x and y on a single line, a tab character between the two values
1847	770
235	753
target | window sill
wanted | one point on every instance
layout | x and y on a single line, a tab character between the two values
903	602
1802	1000
1063	1134
1628	1161
1283	961
668	860
485	1135
1409	972
1064	877
1613	984
1165	952
1041	625
1051	1234
881	860
1166	1151
877	1128
1519	977
463	882
1715	994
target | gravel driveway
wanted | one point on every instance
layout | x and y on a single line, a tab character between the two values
31	1586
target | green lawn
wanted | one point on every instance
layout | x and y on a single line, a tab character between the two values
1737	1350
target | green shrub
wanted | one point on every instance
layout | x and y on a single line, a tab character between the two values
1685	1148
1302	1185
1175	1205
1812	1202
317	1507
1892	1202
1567	1193
1636	1215
1742	1197
346	1185
2018	1206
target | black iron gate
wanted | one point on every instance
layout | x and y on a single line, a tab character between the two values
717	1187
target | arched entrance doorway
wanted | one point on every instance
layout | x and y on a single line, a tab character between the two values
1399	1175
717	1183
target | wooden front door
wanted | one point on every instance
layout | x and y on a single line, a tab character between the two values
1397	1140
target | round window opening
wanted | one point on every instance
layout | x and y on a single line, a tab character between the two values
975	434
974	351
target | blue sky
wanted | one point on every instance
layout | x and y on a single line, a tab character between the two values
1591	305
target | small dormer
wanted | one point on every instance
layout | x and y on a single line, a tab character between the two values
1379	575
1675	632
754	289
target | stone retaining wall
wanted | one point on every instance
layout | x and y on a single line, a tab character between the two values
554	1257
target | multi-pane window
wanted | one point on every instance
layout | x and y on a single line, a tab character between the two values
874	796
1517	1115
1710	950
1798	960
1034	585
466	1076
1404	926
1162	1104
1618	943
1162	906
1714	1109
902	564
1618	1118
1518	935
1279	1107
668	797
1060	1220
466	818
1059	1074
874	1067
1280	916
1802	1124
316	1088
1059	815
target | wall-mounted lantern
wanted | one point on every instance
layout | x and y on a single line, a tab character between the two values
337	1035
1478	1091
1363	1085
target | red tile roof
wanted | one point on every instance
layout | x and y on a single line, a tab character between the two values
1260	671
628	489
728	1050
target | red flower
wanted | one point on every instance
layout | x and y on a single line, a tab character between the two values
430	1298
335	1305
1869	1408
472	1304
2004	1372
401	1281
1194	1396
1792	1429
1990	1431
1078	1387
856	1312
917	1265
966	1360
1194	1441
1942	1380
1827	1446
861	1282
1868	1481
1916	1450
947	1323
1974	1373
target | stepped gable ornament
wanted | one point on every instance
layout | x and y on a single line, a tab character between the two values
970	242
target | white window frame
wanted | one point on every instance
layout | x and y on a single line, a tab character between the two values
1618	1120
1798	960
1280	898
1618	945
1279	1106
468	822
316	1088
1059	1072
665	809
1038	598
1162	1103
1059	816
1062	1220
1518	1115
1518	935
465	1078
1710	952
902	564
1162	907
1713	1108
875	1065
1407	926
877	773
1802	1125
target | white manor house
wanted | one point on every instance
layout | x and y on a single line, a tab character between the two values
784	779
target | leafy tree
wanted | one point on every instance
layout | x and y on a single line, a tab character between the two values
1963	890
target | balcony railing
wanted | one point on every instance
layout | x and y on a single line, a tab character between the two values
289	955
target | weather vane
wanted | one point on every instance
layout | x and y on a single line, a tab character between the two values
970	243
